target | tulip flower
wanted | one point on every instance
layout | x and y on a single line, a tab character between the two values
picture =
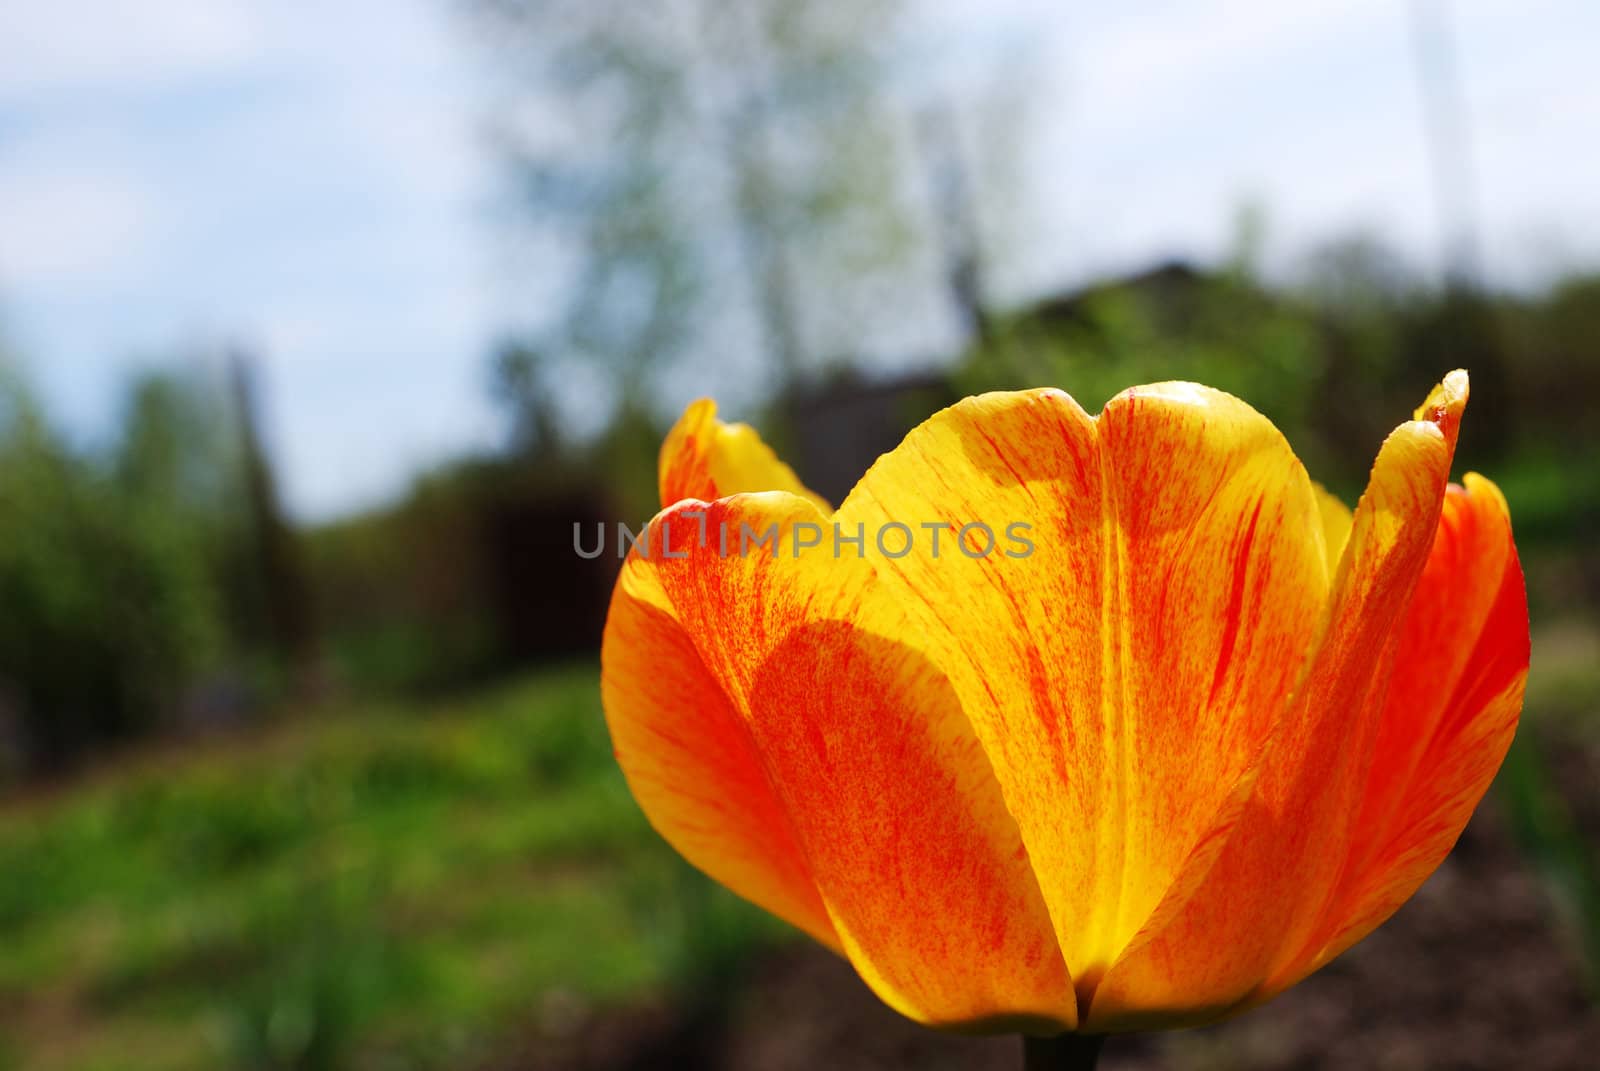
1193	733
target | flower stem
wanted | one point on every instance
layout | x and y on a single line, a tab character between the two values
1065	1052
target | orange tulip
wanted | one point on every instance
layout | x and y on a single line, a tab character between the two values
1203	733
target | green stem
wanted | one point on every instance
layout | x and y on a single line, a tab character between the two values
1065	1052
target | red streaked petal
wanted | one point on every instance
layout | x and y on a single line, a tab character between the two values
1452	710
1249	905
692	765
704	458
1124	675
869	756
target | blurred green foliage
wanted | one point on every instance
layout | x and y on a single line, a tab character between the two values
111	568
1554	844
401	590
1221	330
1335	361
449	586
394	886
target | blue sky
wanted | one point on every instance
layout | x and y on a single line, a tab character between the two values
309	179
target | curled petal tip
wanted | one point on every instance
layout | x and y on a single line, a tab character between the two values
704	458
682	470
1475	484
1445	403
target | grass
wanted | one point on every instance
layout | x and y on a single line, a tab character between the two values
385	887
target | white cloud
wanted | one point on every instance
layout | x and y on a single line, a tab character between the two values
73	228
93	44
1170	117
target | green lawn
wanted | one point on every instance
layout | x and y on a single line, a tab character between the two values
380	887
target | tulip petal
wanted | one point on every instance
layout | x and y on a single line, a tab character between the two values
1124	675
1336	522
867	753
1451	712
1245	911
707	459
691	763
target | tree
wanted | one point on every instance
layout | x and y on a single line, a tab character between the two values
108	570
698	171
